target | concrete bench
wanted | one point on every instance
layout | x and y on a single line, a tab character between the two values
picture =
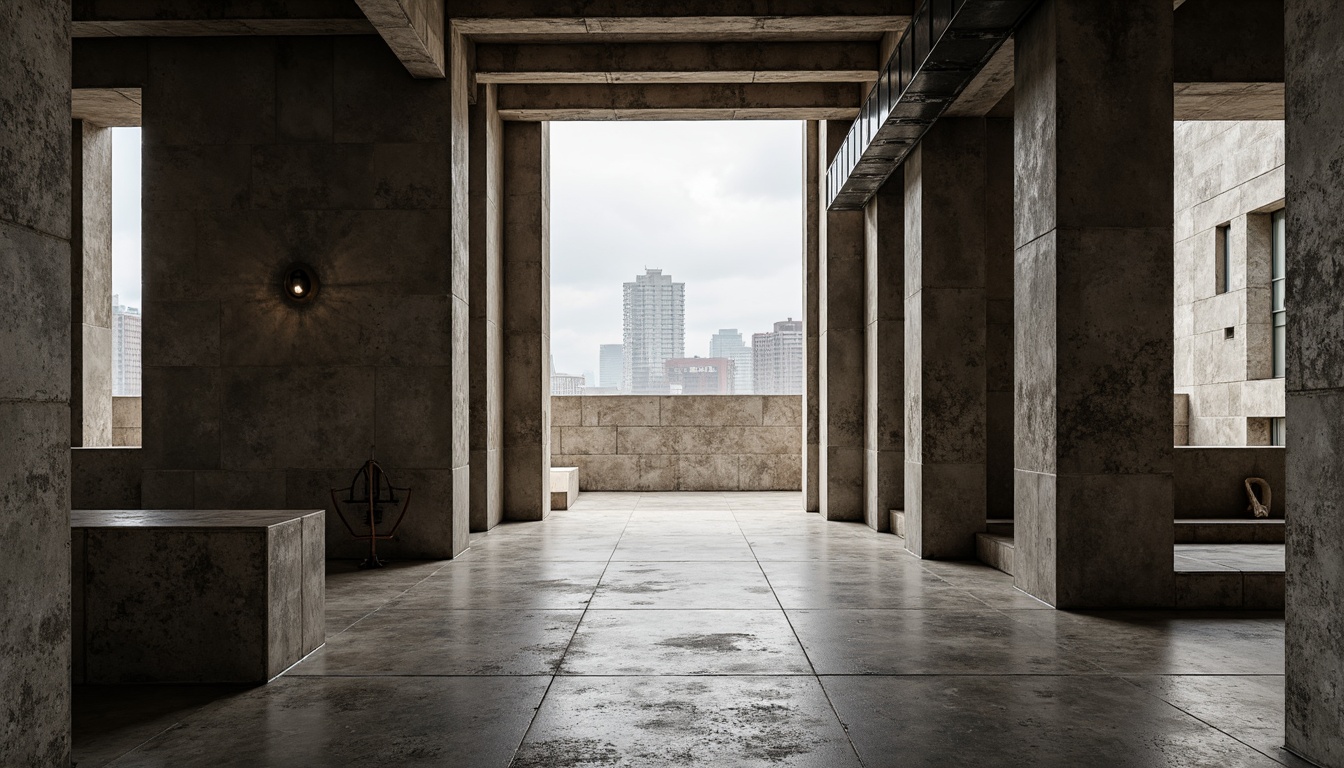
564	487
195	595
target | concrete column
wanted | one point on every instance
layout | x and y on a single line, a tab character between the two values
999	318
1315	381
487	308
459	158
1092	304
35	142
527	321
945	340
840	328
90	285
813	170
884	369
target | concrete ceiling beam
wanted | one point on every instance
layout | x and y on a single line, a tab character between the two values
414	30
627	28
721	101
217	27
107	107
847	62
1229	101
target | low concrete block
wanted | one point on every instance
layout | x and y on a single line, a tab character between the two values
564	487
195	595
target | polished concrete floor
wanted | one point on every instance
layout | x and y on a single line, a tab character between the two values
717	630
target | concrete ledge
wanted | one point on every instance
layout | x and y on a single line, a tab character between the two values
1248	531
564	487
995	550
195	595
1210	480
898	522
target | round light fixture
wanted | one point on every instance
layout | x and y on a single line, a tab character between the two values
300	283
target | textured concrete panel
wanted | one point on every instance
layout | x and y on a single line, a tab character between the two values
1210	481
1315	407
37	327
812	196
105	478
91	285
487	296
884	353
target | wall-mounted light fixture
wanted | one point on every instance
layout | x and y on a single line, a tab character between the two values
300	283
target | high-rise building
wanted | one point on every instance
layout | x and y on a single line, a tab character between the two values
728	343
610	366
654	331
777	359
699	375
126	324
566	384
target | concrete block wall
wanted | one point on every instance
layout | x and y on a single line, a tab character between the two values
126	422
1227	172
264	151
680	443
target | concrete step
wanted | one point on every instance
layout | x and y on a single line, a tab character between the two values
1001	526
995	550
897	522
1229	531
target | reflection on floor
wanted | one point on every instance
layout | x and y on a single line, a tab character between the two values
718	630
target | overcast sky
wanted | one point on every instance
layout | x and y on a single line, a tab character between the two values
716	205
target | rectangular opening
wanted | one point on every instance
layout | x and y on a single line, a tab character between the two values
127	320
1223	247
1277	289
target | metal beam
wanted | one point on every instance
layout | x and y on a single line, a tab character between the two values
847	62
414	30
723	101
946	45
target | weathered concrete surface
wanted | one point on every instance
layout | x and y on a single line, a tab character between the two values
105	478
1092	298
414	30
266	151
945	257
90	285
884	354
526	442
809	62
697	101
126	420
840	326
1227	174
680	442
35	207
813	172
106	107
1314	638
1209	482
196	595
487	307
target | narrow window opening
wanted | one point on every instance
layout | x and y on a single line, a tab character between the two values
1224	262
127	321
1278	285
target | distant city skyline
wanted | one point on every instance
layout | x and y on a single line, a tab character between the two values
718	206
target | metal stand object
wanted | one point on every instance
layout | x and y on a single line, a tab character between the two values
370	491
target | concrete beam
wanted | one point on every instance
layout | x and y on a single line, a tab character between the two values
664	28
988	88
846	62
754	101
106	107
1229	101
413	29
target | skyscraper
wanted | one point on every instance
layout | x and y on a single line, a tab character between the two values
728	343
125	349
610	366
777	359
654	331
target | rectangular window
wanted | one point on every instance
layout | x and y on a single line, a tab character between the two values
1277	286
1224	253
1276	432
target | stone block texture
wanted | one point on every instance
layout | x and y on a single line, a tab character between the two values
195	595
680	443
35	322
1314	636
1092	297
264	151
1229	177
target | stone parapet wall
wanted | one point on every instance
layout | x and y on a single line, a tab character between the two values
1210	480
680	443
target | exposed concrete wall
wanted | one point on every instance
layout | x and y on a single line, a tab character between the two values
90	285
841	345
126	418
884	359
945	340
35	143
526	435
105	478
1314	638
999	318
1226	173
680	443
487	306
812	196
1092	296
260	152
1210	481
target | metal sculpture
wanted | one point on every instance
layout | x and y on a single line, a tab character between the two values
371	492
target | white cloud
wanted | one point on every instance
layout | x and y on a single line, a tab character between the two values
717	205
